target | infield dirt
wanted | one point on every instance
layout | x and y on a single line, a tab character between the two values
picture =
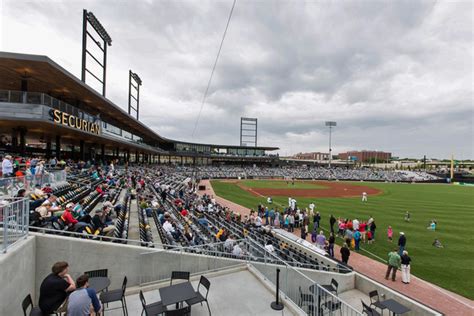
330	190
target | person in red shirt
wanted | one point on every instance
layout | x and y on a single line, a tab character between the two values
47	189
184	212
69	220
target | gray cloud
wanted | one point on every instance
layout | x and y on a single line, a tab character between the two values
396	76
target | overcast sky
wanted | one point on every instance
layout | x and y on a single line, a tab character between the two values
395	75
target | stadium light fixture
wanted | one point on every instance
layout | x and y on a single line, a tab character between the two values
88	18
136	87
330	124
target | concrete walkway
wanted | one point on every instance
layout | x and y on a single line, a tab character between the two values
447	302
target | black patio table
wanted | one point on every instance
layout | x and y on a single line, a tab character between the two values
177	293
395	307
99	283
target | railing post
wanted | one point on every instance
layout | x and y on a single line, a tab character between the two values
277	305
5	228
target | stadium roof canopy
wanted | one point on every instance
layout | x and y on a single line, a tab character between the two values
45	76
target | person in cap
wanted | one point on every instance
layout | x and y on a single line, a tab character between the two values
69	220
405	259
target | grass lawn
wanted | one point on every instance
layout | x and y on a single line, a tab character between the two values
280	184
452	206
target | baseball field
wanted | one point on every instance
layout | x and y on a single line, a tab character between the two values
451	267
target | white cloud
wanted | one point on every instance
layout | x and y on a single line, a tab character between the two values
397	76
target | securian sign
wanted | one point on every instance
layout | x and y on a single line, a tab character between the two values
62	118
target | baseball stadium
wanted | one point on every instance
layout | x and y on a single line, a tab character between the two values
100	214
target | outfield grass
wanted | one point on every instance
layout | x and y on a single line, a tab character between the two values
280	184
452	206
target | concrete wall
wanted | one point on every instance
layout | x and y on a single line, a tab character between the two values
367	285
17	276
139	264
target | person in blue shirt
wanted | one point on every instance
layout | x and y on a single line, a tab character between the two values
83	301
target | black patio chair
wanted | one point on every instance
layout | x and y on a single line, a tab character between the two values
185	311
115	296
305	298
375	301
27	302
331	287
368	310
179	275
199	297
152	309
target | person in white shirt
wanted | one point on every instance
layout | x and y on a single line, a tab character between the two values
269	200
168	227
293	204
355	224
258	222
289	201
7	166
229	243
237	251
269	247
311	208
364	196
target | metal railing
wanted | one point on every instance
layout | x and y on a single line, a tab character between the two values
14	220
304	291
10	186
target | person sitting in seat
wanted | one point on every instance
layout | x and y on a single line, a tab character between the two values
169	229
237	251
47	189
44	211
188	234
269	246
38	192
83	301
229	243
20	194
55	288
69	220
79	213
99	223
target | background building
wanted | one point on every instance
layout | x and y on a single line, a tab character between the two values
312	156
366	156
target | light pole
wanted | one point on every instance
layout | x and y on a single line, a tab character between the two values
330	124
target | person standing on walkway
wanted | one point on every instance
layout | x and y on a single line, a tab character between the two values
402	241
316	219
372	229
405	259
331	240
393	264
345	253
357	237
332	221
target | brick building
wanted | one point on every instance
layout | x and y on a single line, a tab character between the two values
366	156
312	156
